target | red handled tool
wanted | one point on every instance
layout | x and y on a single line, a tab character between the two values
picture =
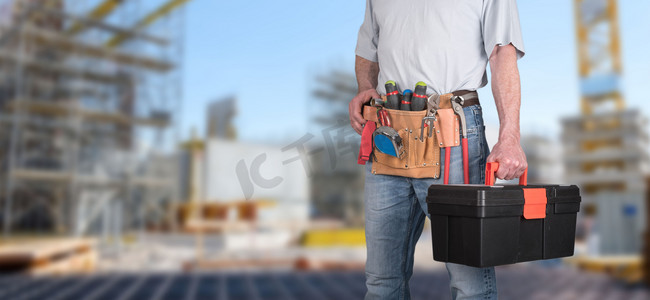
382	117
447	159
457	105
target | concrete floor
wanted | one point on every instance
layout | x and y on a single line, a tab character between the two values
168	252
514	282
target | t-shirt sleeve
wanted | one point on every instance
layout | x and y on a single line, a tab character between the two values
501	26
368	35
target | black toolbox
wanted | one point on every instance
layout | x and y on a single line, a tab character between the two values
486	225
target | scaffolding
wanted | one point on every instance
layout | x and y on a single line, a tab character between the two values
89	93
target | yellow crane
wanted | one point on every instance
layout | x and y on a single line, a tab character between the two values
146	21
603	123
105	8
599	53
101	11
600	69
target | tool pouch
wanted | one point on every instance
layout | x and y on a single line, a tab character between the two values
421	158
447	128
446	123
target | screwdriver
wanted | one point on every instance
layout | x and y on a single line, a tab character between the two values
377	102
392	95
406	100
419	96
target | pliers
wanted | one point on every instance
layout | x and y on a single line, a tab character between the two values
457	105
432	105
427	121
382	117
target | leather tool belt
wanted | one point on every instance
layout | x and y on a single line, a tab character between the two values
421	139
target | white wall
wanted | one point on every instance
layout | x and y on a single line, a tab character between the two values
229	176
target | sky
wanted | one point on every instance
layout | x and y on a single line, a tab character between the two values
267	53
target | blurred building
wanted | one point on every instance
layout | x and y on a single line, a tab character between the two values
607	151
337	192
337	181
220	118
610	164
88	93
238	171
252	196
544	158
223	170
605	148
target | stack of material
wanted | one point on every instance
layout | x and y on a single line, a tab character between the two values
646	257
645	252
48	256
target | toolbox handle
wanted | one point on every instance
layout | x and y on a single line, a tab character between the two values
491	169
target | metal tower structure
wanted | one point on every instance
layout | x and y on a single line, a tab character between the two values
605	147
599	54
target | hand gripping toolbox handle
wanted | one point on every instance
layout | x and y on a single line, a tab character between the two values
491	169
534	198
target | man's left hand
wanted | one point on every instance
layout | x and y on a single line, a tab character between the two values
511	159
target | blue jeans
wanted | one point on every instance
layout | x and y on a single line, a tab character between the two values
396	208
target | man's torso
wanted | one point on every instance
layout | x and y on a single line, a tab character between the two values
436	41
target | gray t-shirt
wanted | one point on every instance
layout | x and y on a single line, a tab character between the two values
445	43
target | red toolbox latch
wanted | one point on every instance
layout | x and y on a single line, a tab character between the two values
535	203
534	198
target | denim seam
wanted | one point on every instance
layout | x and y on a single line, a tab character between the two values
402	293
488	276
481	163
486	283
411	246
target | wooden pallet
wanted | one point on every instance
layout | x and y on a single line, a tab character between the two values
624	267
48	256
238	264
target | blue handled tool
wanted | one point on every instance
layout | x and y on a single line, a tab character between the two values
406	100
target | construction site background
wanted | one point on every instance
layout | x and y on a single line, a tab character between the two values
177	149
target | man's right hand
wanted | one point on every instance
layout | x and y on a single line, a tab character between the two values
356	119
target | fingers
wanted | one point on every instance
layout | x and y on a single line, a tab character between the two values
520	170
356	119
506	169
354	122
511	159
357	127
502	172
518	165
510	168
